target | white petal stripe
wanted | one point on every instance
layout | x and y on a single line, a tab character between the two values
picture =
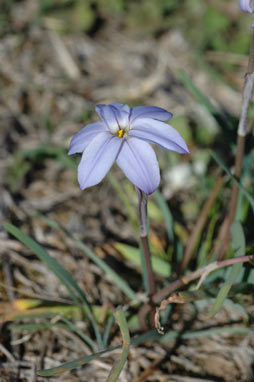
97	159
138	161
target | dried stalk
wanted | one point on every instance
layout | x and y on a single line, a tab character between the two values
223	240
200	224
197	274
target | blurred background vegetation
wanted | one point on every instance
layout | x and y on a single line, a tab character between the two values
58	60
209	25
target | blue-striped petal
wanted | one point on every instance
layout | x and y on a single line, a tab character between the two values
97	159
152	112
82	139
138	162
247	5
159	133
114	116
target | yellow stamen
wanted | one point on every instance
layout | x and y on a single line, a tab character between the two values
120	133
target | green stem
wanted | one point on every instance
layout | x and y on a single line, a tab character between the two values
142	215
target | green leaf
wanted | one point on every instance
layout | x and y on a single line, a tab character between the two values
82	16
153	335
226	169
62	274
168	218
205	333
55	371
118	366
251	277
35	326
41	309
122	284
74	290
207	242
197	93
238	239
68	325
238	246
203	100
233	274
108	329
132	254
216	22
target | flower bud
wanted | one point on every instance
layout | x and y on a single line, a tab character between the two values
247	5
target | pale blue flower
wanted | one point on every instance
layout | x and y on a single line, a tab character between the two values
123	135
247	5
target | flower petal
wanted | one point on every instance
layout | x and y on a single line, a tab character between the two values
97	159
82	139
121	107
122	114
159	133
247	5
153	112
138	162
114	116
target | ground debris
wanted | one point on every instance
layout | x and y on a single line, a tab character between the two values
43	103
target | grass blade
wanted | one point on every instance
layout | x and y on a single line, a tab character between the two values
74	290
238	239
226	169
68	325
148	336
168	218
206	333
238	245
202	99
55	371
106	334
120	318
122	284
78	331
234	272
118	367
132	254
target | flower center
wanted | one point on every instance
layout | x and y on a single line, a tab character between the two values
120	133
